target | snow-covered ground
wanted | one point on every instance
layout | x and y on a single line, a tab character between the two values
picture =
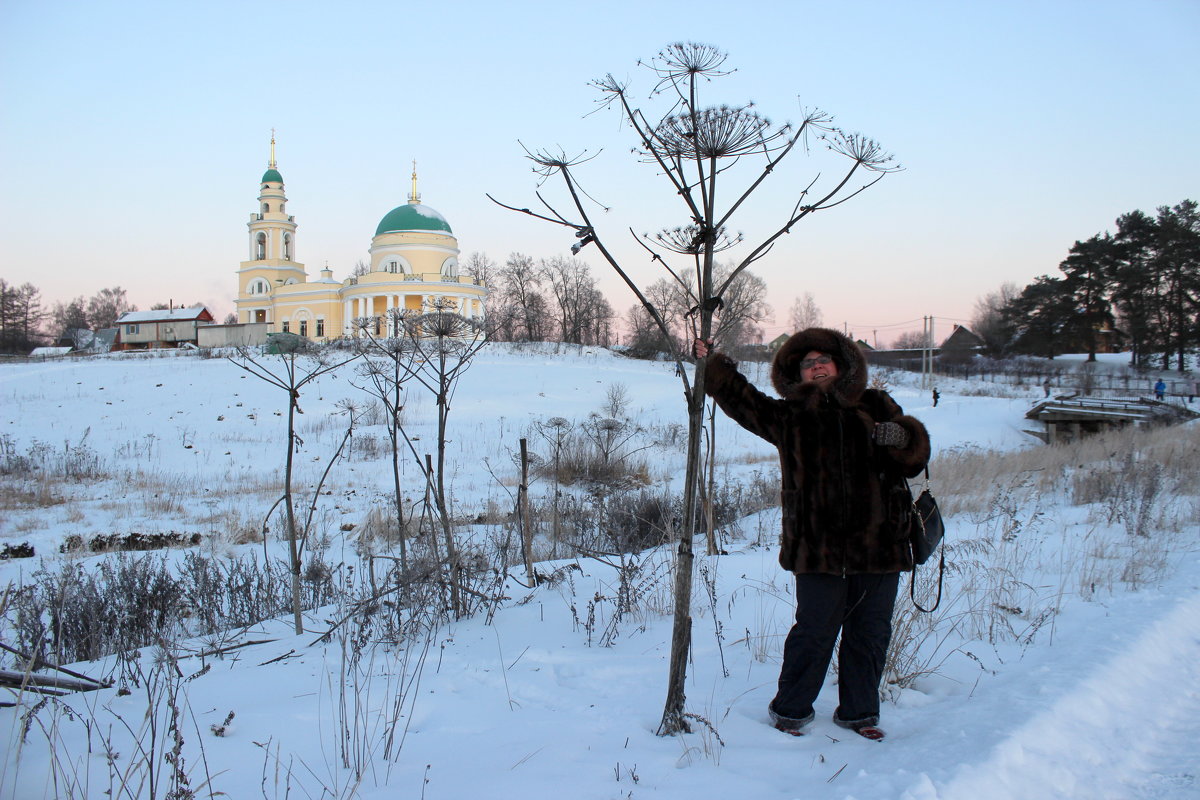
559	693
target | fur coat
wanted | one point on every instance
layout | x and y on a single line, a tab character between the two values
844	507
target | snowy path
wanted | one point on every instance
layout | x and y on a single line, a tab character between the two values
1128	731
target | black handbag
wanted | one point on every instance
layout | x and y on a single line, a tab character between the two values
925	533
926	528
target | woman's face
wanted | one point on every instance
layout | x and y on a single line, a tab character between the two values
818	367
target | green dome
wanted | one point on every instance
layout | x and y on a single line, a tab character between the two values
272	176
413	217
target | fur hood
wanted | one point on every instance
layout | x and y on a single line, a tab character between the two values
851	379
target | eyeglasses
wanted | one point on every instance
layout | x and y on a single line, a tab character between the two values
809	363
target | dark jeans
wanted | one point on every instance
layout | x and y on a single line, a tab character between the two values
861	607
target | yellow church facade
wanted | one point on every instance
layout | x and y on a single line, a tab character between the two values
413	266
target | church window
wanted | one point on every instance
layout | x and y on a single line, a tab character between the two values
266	207
286	326
287	247
304	327
320	328
261	247
281	208
393	266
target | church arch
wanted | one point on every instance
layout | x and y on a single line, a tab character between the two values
395	264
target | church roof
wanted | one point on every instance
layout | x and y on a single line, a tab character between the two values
413	217
272	176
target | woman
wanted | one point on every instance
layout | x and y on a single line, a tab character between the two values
843	450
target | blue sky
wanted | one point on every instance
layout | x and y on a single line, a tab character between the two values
133	135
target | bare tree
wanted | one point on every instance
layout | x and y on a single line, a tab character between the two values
694	148
522	294
580	310
644	338
744	305
805	313
989	321
481	267
359	269
300	363
66	317
106	305
910	340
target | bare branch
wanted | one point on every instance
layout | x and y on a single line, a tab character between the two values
558	221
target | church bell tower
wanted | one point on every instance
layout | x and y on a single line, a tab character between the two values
271	263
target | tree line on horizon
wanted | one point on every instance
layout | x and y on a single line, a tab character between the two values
25	322
553	299
1139	285
558	299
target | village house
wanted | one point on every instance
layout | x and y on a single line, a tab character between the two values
164	327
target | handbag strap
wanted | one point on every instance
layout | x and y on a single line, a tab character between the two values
912	584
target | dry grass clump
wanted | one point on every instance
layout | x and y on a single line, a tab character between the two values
80	612
965	479
21	494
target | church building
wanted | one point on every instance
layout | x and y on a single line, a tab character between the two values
413	266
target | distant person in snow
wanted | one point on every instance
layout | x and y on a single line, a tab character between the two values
1160	390
935	396
843	450
1046	387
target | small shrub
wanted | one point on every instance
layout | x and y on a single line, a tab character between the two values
22	550
129	542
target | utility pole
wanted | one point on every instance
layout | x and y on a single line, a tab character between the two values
927	352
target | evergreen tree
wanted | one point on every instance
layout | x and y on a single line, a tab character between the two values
21	317
1176	264
1134	291
1039	316
1087	271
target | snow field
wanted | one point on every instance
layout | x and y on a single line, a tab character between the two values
561	693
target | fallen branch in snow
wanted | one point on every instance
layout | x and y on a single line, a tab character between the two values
216	651
38	683
22	679
288	654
